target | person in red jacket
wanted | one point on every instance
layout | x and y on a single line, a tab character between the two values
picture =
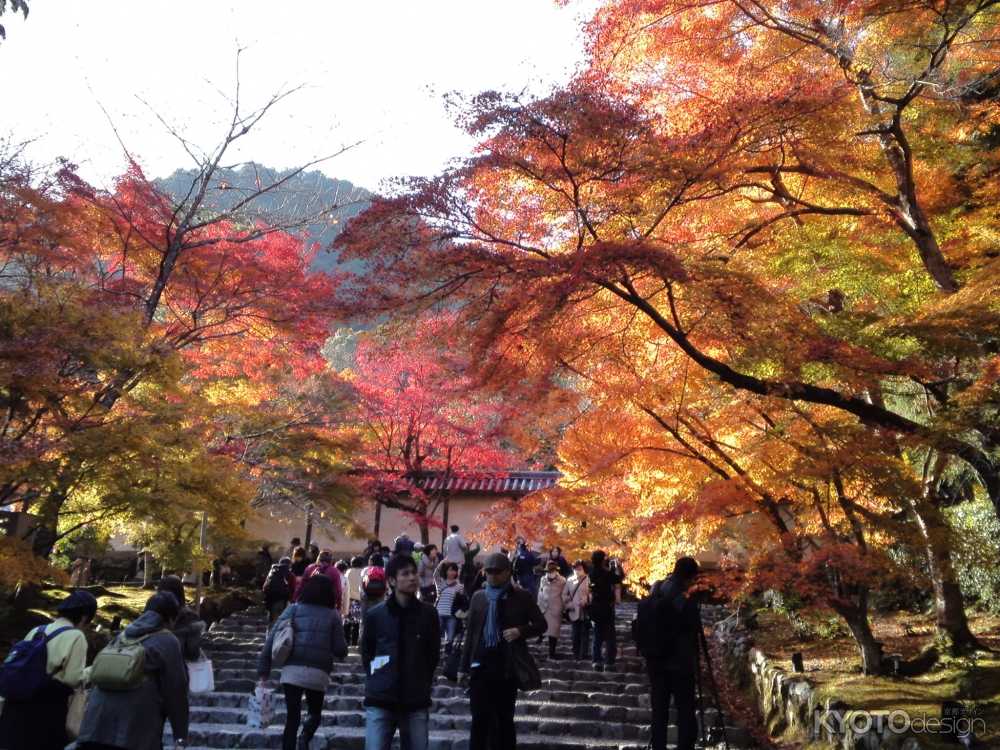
324	566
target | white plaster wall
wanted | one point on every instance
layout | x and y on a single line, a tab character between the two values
281	527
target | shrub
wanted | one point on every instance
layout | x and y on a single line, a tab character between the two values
976	534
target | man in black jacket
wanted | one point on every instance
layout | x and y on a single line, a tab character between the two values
673	673
400	649
501	620
604	581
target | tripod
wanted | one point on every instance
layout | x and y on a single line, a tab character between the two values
717	733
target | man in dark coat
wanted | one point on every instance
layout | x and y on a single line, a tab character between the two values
501	620
525	563
400	648
603	582
673	673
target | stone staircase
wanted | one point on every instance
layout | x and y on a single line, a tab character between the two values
577	706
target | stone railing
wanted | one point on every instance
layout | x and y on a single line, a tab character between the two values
791	708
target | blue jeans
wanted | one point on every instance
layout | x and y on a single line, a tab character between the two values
606	636
381	725
449	626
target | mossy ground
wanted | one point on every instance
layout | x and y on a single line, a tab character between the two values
832	665
124	601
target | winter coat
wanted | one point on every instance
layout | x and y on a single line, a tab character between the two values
319	638
576	596
188	629
134	719
683	653
330	571
550	601
602	594
290	582
518	609
405	644
524	563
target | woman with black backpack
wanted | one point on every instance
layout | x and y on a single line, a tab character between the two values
38	721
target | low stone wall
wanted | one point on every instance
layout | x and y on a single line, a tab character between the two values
790	707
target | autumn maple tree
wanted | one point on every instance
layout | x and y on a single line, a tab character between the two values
417	410
789	203
137	322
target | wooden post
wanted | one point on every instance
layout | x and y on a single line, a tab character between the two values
444	529
199	573
309	524
378	518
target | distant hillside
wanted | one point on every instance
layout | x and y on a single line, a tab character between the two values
301	197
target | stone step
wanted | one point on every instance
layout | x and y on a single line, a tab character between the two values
577	707
216	736
528	705
586	681
637	699
526	724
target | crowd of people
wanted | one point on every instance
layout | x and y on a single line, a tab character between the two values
399	606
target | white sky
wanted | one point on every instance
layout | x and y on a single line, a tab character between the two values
374	70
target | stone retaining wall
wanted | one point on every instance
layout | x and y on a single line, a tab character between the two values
790	707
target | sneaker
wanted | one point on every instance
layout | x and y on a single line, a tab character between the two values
598	667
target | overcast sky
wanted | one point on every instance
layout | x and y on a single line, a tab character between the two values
374	71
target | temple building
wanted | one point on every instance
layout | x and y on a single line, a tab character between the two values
463	499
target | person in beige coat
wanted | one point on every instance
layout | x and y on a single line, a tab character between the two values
576	597
550	601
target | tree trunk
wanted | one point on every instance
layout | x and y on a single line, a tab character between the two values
45	533
953	633
147	570
856	617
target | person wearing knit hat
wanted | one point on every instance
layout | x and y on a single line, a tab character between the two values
502	617
40	723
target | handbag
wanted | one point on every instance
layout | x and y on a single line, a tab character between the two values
74	714
201	676
284	640
525	670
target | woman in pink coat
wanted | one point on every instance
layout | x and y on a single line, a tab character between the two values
550	601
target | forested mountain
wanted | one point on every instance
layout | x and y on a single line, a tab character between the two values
323	202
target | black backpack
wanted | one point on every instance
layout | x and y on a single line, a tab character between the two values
276	585
655	625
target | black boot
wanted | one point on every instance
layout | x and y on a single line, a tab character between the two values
552	647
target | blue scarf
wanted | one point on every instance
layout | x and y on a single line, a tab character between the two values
491	631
